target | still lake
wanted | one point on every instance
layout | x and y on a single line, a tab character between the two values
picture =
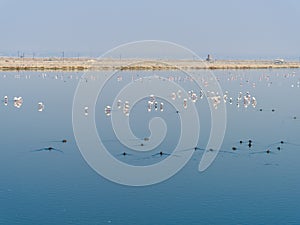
259	184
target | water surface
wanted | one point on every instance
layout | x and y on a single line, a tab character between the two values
49	187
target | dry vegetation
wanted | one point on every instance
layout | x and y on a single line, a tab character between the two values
79	64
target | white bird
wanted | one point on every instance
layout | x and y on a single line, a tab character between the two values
5	100
179	93
185	103
18	102
254	102
126	108
41	106
107	110
161	106
173	96
86	110
194	97
119	104
149	106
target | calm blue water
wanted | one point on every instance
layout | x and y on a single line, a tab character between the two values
42	187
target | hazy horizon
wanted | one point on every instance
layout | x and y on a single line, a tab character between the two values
231	29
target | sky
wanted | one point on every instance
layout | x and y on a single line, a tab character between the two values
225	29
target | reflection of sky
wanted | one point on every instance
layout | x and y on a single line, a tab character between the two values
53	188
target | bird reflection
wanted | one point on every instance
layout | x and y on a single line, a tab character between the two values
268	151
49	149
222	151
140	139
124	154
161	154
271	164
61	141
192	149
281	143
284	142
211	150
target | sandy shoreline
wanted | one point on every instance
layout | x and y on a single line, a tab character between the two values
80	64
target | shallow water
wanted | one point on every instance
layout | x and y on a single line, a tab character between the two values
50	187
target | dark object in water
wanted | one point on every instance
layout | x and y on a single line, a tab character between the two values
49	149
161	154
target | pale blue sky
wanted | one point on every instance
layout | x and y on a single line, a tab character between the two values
224	28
